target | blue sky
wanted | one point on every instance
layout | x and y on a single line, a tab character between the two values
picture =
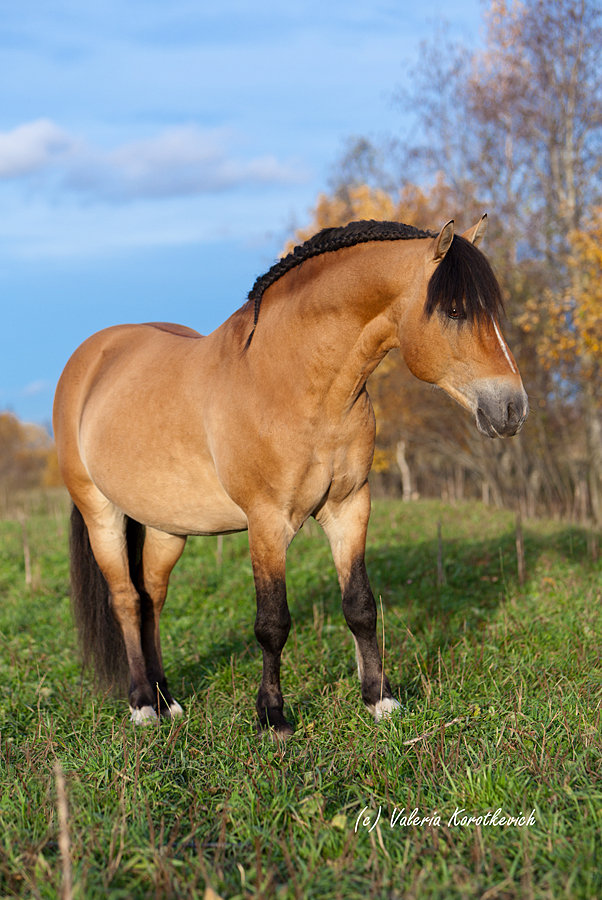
154	156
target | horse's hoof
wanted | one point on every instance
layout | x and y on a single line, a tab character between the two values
385	708
143	715
280	730
282	733
173	711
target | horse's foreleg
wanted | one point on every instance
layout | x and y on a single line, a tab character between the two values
273	620
345	525
159	555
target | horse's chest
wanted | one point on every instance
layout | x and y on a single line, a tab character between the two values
345	453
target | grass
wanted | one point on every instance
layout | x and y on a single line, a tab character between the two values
500	688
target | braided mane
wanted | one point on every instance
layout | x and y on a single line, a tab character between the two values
463	283
327	241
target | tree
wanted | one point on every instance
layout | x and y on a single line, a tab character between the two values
569	342
519	125
515	128
26	454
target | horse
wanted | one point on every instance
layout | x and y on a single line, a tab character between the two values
162	433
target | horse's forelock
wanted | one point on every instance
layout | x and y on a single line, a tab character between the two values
464	281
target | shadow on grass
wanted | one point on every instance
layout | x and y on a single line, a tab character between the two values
479	574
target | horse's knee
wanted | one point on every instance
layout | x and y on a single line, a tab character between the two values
272	625
359	607
360	614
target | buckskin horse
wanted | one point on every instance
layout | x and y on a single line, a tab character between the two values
162	433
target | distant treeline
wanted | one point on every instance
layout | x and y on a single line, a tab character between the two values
27	458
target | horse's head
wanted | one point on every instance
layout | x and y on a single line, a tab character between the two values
454	339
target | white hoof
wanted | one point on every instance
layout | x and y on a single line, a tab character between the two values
175	710
145	715
384	709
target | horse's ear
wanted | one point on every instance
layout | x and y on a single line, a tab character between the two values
476	234
444	239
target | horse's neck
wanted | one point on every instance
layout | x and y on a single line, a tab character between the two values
337	316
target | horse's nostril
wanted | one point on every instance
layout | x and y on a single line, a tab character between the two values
516	413
499	416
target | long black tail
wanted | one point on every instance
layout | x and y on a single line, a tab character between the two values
101	641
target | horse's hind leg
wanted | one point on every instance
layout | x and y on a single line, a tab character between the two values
160	553
346	525
107	532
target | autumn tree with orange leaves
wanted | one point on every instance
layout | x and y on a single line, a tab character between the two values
514	129
567	329
27	457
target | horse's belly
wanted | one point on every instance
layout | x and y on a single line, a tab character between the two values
172	503
205	511
162	486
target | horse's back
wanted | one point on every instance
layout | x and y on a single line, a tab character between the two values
173	328
116	375
117	357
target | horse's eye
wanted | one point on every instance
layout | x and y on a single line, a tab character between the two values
453	313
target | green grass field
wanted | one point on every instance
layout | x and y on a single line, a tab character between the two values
500	693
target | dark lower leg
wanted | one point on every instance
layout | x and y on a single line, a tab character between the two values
360	613
272	625
151	648
160	553
126	609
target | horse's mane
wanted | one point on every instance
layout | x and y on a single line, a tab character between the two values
464	278
327	241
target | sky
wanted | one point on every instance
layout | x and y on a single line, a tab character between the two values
155	157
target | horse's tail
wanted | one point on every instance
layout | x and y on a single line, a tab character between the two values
100	638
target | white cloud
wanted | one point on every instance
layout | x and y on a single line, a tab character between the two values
183	161
35	387
32	147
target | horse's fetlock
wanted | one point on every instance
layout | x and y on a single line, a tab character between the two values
142	696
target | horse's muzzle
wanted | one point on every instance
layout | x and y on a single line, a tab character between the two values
501	414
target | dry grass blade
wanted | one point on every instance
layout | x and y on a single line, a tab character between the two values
64	841
432	731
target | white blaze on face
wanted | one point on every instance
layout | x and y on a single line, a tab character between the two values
503	345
